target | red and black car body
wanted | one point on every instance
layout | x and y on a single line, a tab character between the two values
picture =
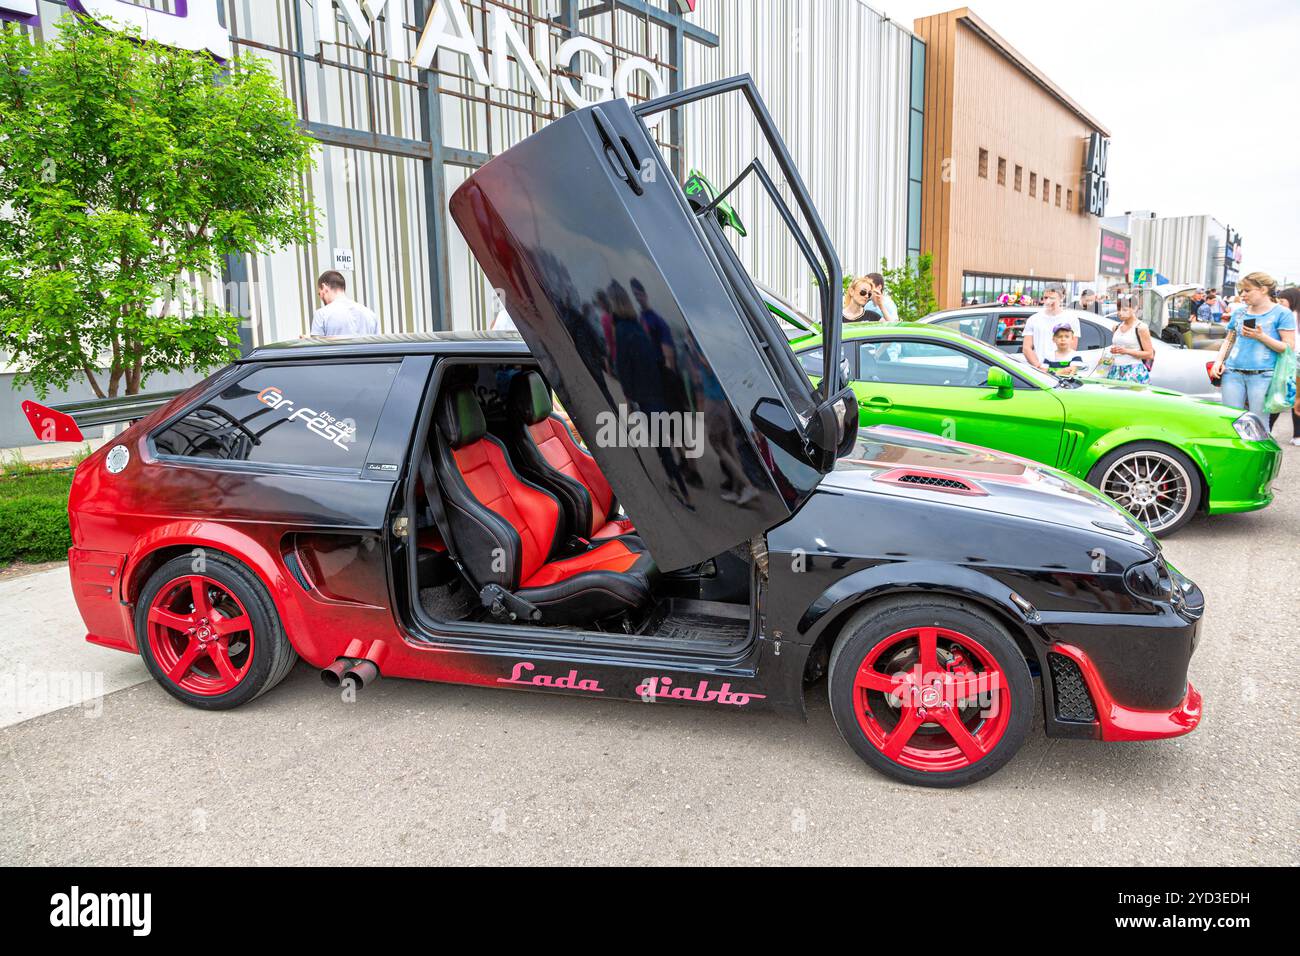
411	506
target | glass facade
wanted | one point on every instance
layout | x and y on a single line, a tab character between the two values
915	142
980	289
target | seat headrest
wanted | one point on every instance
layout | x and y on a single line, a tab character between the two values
460	418
530	399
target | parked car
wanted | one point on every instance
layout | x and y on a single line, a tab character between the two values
409	506
1175	367
1169	311
1162	456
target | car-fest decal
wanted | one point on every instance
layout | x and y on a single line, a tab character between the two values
338	431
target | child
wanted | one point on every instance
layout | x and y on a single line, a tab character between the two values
1065	360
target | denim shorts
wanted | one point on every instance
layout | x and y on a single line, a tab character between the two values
1247	390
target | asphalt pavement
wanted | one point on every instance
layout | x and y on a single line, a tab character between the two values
426	774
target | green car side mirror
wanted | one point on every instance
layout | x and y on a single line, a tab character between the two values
1001	379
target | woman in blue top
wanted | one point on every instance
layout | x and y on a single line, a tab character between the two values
1257	334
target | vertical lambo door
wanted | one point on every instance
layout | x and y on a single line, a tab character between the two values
650	330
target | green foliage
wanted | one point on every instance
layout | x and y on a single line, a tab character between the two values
34	517
911	286
131	170
15	464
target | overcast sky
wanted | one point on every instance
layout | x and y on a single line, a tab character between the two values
1157	73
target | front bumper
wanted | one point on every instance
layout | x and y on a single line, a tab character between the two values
1114	721
1239	473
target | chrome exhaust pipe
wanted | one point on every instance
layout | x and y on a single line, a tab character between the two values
332	676
362	674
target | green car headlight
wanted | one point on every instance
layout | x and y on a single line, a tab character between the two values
1251	428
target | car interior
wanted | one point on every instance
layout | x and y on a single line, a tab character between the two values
515	524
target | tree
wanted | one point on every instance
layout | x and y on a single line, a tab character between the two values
911	286
129	170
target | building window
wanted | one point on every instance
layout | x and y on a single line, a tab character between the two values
1058	194
1002	171
984	164
1069	200
916	142
1020	170
1033	185
1047	188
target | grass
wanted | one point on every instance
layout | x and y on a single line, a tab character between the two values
33	512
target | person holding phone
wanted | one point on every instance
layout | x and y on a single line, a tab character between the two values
1257	335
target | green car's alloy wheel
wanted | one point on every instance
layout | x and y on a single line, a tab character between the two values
1156	484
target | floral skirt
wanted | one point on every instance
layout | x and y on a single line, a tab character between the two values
1137	373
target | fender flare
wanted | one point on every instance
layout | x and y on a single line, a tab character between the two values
205	535
1131	434
918	577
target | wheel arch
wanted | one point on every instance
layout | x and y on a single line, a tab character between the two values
946	581
1123	437
163	544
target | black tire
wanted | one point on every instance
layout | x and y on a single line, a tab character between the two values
272	656
1132	456
882	621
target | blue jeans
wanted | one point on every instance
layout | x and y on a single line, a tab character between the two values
1246	391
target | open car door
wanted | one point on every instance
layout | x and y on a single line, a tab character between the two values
649	329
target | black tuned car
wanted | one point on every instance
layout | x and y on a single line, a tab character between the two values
413	506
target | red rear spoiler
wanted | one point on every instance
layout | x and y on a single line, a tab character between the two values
64	422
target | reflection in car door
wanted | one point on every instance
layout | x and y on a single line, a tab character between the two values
1094	340
974	324
940	388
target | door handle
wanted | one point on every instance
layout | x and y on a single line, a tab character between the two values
879	401
614	151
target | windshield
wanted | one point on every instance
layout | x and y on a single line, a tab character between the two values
1044	379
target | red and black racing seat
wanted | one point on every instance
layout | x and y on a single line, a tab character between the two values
506	531
548	455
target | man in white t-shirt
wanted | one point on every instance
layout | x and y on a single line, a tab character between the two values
339	315
1037	342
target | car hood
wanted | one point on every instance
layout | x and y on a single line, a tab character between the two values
1152	395
902	463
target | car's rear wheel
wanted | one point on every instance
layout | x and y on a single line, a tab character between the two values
1153	482
930	691
209	634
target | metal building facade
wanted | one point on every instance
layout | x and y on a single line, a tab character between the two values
397	139
842	83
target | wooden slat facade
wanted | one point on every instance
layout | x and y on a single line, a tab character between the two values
981	94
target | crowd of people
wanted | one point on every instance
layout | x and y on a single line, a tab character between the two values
1261	328
1260	335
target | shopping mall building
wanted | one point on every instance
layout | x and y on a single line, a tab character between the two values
1014	169
901	143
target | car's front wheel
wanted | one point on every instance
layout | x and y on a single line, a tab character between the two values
930	691
209	634
1153	482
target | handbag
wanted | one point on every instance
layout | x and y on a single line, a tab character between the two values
1281	387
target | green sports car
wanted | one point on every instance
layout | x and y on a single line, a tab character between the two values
1160	454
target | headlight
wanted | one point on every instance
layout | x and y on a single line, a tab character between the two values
1251	428
1150	581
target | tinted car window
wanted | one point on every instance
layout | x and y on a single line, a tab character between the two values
811	359
972	325
1092	336
920	363
300	414
1008	331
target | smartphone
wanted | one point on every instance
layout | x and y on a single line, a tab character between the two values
1248	322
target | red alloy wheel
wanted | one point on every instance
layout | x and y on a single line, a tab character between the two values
931	699
200	636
